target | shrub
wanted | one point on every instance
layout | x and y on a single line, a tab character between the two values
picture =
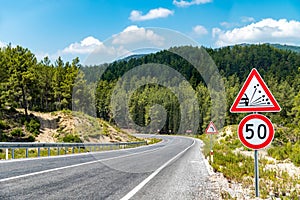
31	138
105	129
3	137
12	110
22	120
286	151
72	138
17	133
295	156
3	125
33	126
66	112
153	140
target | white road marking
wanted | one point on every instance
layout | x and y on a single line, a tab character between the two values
208	167
144	182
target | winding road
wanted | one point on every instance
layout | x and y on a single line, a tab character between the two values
172	169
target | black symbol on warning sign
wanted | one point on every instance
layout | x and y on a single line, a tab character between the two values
244	100
257	98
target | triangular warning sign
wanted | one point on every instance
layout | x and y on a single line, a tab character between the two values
211	128
255	96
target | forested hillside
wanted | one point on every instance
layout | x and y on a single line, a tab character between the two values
279	68
45	86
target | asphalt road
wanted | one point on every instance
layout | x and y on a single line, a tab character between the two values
172	169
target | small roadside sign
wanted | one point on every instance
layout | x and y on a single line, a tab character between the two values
211	129
255	96
256	131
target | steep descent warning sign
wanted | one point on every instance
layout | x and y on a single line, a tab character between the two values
211	128
255	96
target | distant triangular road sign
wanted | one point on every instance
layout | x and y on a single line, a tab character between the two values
211	128
255	96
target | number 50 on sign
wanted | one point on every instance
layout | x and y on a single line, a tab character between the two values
256	131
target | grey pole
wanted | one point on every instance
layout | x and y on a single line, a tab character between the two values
256	170
211	150
26	153
256	173
12	153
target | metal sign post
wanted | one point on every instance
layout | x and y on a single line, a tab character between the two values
211	150
256	169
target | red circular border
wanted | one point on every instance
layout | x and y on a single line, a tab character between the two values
263	118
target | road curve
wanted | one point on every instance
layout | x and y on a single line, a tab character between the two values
172	169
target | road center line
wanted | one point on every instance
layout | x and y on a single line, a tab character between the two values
145	181
75	165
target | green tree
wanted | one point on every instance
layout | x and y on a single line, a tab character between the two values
45	73
21	81
57	81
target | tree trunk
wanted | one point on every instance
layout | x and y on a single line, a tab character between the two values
24	102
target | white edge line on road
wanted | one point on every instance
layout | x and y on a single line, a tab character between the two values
76	165
145	181
207	165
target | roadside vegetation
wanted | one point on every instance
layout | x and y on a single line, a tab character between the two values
286	145
236	163
153	140
15	127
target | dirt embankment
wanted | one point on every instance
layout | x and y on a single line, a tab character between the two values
56	125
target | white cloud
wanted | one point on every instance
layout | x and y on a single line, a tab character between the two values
247	19
266	30
200	30
90	50
216	32
243	21
136	15
132	39
183	3
87	45
135	34
228	24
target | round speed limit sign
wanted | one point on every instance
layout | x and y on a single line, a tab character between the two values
256	131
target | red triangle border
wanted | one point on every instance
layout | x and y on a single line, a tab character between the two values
275	108
211	123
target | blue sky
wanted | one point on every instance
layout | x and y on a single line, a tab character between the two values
71	28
